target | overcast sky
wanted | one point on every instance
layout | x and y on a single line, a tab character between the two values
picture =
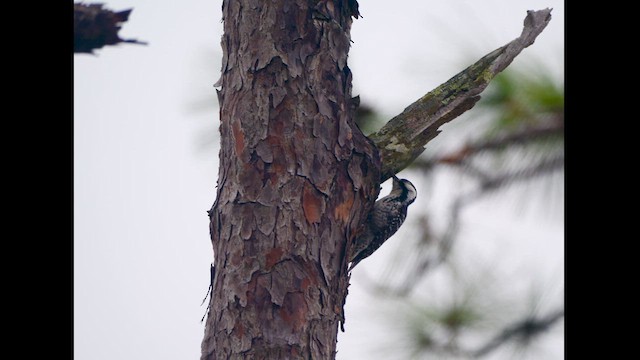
145	161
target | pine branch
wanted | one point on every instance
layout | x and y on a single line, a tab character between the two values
404	137
520	137
524	329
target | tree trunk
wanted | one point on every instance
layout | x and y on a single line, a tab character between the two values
296	180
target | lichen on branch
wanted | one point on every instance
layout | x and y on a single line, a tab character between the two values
403	138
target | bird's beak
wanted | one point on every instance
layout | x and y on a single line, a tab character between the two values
396	182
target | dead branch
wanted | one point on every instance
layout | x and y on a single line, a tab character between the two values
95	27
404	137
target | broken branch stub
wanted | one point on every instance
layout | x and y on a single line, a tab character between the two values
403	138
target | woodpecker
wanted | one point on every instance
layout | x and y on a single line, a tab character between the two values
384	220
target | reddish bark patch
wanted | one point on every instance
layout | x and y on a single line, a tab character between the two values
277	168
343	210
311	204
238	135
306	282
294	351
238	329
258	294
293	311
236	258
273	256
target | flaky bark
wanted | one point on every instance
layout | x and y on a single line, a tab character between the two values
296	180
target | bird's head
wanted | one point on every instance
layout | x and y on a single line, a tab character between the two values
404	190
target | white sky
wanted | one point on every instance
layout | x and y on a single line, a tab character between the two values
143	179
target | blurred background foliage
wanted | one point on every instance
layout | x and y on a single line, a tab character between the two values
515	134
